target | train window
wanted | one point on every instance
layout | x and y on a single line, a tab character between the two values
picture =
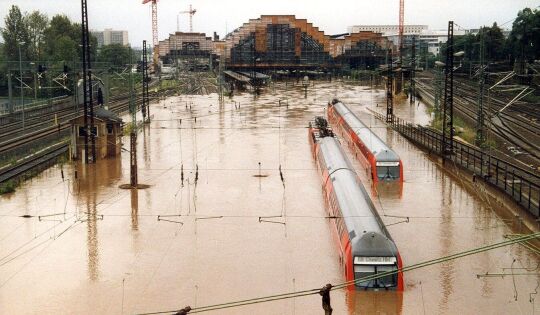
387	281
363	271
388	172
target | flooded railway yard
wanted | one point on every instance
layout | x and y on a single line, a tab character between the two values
219	223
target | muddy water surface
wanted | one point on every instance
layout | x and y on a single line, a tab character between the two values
232	229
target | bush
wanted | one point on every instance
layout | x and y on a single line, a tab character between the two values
8	187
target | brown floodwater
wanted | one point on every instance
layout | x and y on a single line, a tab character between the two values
225	233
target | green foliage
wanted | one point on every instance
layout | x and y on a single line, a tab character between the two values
3	63
524	40
525	36
64	35
14	33
57	41
61	40
65	49
117	55
491	37
36	24
494	42
8	187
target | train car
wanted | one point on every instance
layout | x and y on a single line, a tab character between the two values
365	246
383	163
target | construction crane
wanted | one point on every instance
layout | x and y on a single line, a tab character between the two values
155	40
401	24
191	12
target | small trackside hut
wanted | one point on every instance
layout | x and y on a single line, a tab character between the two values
107	130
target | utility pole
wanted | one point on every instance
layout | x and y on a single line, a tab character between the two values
87	86
132	105
21	79
10	92
145	98
401	26
447	145
480	128
254	73
133	133
389	92
412	86
176	70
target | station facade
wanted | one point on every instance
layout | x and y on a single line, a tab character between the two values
276	42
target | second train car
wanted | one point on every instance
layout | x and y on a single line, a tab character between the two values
383	163
365	246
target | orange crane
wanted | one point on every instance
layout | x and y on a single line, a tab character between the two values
191	12
401	24
155	40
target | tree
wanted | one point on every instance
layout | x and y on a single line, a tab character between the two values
36	23
60	27
115	54
494	42
63	32
492	39
3	67
65	50
525	36
15	33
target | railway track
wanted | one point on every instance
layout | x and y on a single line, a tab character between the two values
504	126
466	97
66	112
43	156
22	166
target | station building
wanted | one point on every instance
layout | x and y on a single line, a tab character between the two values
277	42
192	51
107	131
286	42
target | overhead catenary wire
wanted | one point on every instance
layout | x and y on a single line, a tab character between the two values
289	295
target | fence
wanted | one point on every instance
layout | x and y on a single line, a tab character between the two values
521	184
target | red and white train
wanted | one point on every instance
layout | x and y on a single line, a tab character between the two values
383	163
365	246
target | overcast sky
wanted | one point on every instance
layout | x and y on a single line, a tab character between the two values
220	15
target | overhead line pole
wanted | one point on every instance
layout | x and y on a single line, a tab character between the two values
480	128
447	145
389	91
133	133
146	101
412	85
87	84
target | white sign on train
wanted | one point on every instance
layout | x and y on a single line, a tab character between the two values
361	260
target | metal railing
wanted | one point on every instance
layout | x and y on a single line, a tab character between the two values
32	105
519	183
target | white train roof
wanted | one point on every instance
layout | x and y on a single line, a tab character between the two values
378	147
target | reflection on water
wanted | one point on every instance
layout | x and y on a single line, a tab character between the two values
92	238
95	178
221	244
134	209
146	145
388	190
375	302
446	235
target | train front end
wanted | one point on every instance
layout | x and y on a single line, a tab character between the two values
376	263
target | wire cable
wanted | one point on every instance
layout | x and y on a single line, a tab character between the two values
289	295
